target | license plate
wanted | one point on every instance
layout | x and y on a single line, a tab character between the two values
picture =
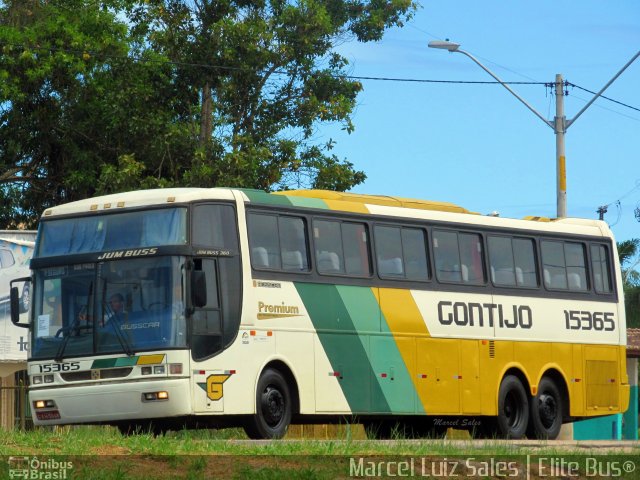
50	415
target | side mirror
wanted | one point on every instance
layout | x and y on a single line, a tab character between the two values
18	304
198	288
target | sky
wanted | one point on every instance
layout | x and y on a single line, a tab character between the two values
476	145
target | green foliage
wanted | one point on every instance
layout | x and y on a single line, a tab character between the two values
101	96
629	256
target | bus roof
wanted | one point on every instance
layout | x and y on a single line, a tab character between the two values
329	200
376	200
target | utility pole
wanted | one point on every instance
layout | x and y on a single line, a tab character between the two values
560	128
560	124
601	211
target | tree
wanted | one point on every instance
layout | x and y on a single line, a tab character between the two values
71	103
629	256
267	74
104	96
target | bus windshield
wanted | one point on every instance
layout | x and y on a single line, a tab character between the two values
121	306
115	231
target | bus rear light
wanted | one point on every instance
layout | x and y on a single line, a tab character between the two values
145	370
155	396
159	370
175	369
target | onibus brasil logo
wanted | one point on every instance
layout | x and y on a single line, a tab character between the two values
41	469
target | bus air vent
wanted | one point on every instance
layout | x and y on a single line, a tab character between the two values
105	373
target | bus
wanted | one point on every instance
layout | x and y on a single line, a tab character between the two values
233	307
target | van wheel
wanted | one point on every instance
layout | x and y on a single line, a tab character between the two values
545	419
513	408
273	407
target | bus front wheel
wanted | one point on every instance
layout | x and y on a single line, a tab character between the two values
513	408
273	407
545	419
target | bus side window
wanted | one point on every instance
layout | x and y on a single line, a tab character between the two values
328	242
447	256
601	268
512	261
264	241
293	244
564	265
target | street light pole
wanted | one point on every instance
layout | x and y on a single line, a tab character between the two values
559	125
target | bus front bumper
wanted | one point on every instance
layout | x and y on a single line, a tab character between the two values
105	403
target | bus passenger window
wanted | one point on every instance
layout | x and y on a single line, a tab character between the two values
601	269
576	266
389	251
401	253
293	244
458	257
263	240
512	262
356	249
328	241
447	256
341	247
471	258
564	265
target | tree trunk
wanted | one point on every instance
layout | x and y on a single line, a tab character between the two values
206	120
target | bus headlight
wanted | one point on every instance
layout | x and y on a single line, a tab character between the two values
155	396
38	404
36	380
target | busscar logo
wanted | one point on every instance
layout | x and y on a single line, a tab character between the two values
35	468
137	252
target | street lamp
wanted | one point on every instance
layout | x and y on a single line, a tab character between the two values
560	124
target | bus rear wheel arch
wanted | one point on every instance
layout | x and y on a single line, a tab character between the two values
274	407
547	410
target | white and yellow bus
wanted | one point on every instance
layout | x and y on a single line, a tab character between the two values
217	307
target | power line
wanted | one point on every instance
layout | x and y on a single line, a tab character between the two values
602	96
208	66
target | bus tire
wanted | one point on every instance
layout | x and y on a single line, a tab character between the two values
273	407
513	408
545	419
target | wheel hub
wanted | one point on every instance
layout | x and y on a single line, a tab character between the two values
547	409
272	406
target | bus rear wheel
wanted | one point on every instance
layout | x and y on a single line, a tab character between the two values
273	407
545	419
513	408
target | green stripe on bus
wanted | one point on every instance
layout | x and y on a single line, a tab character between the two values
308	202
258	196
390	372
346	349
114	362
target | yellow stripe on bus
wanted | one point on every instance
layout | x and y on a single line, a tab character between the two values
405	323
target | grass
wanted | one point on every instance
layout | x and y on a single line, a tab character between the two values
103	453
